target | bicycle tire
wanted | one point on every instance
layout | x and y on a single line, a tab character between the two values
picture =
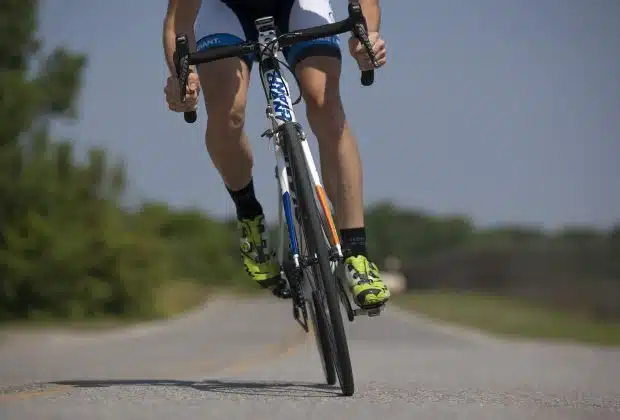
322	341
319	321
313	232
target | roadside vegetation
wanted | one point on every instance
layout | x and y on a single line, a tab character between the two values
70	251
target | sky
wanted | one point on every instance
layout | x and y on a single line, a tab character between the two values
502	110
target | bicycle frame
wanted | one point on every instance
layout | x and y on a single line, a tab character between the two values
280	110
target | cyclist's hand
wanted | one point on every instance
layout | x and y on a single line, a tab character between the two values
173	93
358	52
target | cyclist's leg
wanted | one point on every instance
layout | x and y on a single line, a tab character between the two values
224	84
318	66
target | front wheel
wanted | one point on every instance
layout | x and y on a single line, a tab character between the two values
322	339
328	300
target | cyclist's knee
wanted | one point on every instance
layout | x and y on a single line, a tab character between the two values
225	85
319	77
226	119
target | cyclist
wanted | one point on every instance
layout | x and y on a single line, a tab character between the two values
224	85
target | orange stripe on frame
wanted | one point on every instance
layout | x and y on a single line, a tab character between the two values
320	192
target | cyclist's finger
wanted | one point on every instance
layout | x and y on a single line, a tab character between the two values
181	107
191	92
170	90
355	46
191	97
173	106
190	104
381	60
171	97
381	56
364	63
378	46
193	83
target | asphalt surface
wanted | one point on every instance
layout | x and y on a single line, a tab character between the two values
249	360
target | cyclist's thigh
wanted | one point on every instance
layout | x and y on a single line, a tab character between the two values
305	14
224	83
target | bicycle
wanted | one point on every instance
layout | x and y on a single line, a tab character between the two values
308	265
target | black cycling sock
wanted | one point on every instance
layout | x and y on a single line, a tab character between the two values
354	241
246	202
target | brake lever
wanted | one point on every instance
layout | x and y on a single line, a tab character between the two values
181	63
360	30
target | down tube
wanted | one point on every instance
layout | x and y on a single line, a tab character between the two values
287	204
322	197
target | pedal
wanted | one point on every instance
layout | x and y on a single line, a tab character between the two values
282	294
281	290
371	312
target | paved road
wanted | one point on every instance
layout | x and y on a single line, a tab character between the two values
222	363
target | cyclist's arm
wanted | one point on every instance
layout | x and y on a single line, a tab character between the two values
180	17
372	13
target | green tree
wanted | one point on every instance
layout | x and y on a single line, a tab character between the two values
410	234
65	249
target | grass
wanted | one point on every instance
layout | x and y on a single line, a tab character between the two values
177	297
512	317
172	299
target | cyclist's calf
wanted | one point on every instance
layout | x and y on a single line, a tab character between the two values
225	86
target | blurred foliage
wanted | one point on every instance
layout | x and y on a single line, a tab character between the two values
69	250
576	268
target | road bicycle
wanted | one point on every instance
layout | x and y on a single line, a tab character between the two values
308	250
